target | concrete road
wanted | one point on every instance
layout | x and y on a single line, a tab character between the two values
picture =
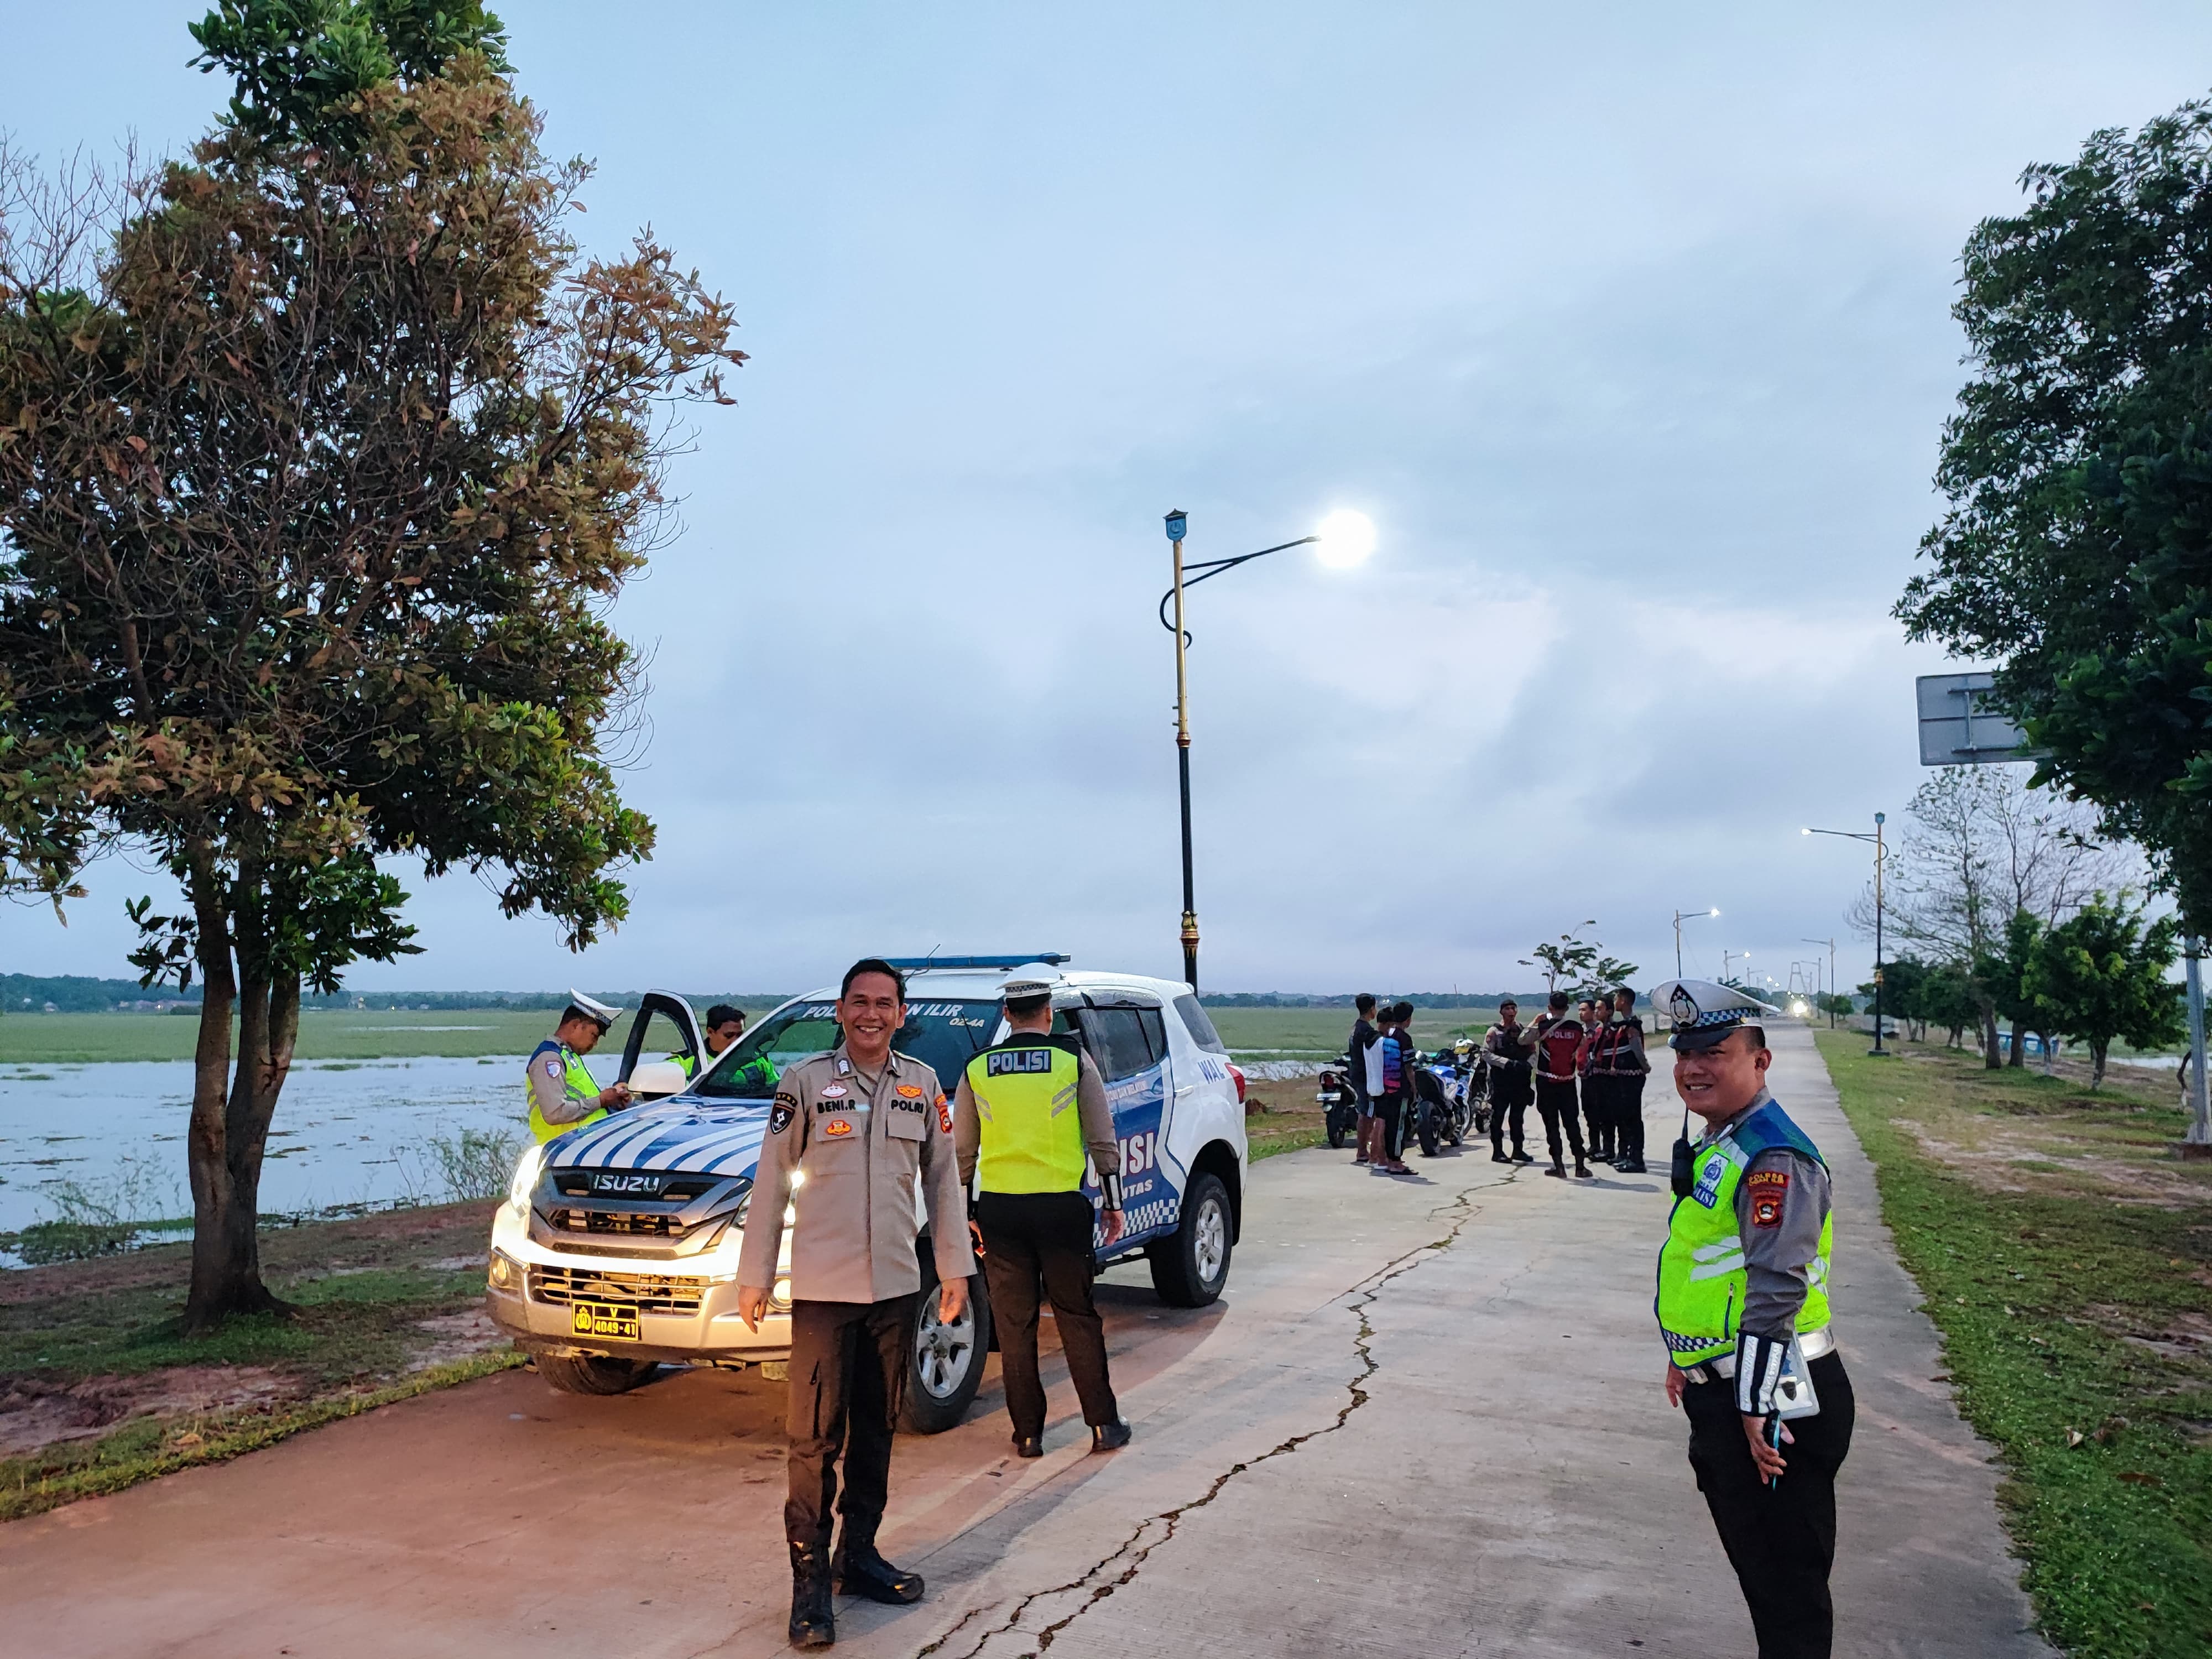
1426	1419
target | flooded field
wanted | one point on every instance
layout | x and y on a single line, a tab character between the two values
346	1132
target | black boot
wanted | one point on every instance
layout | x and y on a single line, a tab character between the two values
861	1571
813	1623
1109	1437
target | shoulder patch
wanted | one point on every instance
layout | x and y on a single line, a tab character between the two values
778	1120
553	1066
943	1115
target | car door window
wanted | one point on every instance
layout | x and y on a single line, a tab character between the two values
1156	1033
1196	1021
1119	1042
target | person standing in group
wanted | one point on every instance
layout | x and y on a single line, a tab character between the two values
561	1094
866	1129
1743	1306
1505	1052
1597	1120
1627	1065
1365	1036
1010	1120
1394	1099
1558	1041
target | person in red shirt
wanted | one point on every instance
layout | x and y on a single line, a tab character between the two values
1558	1050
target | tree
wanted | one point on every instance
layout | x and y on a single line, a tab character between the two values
1950	997
322	454
2002	970
1902	978
2101	975
1983	844
1569	958
2076	550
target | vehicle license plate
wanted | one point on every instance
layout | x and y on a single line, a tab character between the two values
604	1319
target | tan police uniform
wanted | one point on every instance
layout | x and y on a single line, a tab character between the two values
850	1154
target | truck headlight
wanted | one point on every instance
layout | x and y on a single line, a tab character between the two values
527	1168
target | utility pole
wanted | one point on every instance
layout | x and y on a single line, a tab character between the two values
1830	944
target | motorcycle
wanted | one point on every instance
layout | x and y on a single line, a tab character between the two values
1339	1103
1453	1090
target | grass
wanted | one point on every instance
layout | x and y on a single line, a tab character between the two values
374	1033
156	1446
369	1295
1320	1033
2067	1260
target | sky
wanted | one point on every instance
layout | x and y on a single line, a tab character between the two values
1628	326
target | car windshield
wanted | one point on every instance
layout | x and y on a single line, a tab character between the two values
942	1034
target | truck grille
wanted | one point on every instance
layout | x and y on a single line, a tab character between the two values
651	1293
623	1223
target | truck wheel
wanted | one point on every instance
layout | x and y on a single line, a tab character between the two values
944	1363
1191	1265
590	1374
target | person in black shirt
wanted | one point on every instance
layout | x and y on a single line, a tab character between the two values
1364	1036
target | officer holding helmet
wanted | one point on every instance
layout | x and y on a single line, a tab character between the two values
854	1134
1028	1111
1743	1306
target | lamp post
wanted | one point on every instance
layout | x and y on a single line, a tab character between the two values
1880	853
1678	916
1342	539
1830	944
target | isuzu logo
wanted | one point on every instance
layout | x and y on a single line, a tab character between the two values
626	1181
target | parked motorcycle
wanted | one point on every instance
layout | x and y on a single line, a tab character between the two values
1339	1103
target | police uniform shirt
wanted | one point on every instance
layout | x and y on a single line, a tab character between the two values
1091	1107
865	1149
1781	1205
1508	1045
548	1086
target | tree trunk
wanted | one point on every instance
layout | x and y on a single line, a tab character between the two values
232	1104
2017	1055
1992	1047
2098	1048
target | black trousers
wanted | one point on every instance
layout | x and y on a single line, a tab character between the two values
1781	1540
1627	1092
1597	1113
1043	1239
1509	1096
848	1365
1392	1114
1556	1101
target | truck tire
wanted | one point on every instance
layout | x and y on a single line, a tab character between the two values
944	1363
591	1374
1191	1264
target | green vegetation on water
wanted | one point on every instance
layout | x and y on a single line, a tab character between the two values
2067	1259
410	1034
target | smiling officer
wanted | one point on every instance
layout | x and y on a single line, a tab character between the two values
1743	1294
855	1134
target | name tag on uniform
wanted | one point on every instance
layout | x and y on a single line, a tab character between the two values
1002	1062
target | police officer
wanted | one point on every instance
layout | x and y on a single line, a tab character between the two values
1626	1067
855	1134
563	1095
1011	1117
1505	1050
725	1025
1743	1296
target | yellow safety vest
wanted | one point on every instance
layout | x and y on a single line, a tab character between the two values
1702	1277
576	1082
1032	1134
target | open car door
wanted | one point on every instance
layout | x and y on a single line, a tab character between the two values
662	1052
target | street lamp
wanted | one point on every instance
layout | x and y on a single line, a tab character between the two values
1678	916
1341	540
1880	853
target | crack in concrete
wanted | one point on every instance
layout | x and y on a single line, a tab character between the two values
1167	1521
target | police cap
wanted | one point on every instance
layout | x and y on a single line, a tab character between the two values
583	1007
1705	1013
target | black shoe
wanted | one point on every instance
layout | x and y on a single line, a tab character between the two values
1558	1170
1499	1157
1029	1445
1583	1172
812	1624
1520	1157
1633	1166
862	1571
1109	1437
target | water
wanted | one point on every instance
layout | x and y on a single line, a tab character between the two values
346	1132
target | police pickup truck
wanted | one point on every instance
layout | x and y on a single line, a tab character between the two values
616	1250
